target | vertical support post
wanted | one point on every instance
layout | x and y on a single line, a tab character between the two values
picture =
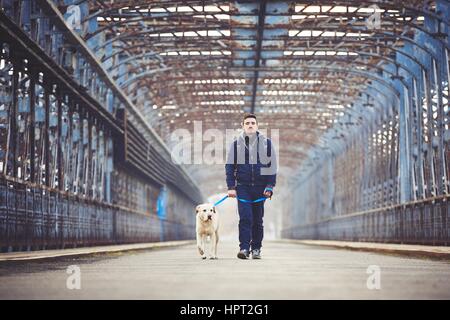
32	93
439	156
431	181
404	148
59	166
89	163
419	136
13	119
47	88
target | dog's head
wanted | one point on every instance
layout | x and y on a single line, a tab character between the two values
205	211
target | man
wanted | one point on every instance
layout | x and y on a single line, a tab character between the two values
250	175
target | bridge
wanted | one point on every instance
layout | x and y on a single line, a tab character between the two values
115	120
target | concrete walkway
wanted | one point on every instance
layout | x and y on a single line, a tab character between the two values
73	252
287	271
438	252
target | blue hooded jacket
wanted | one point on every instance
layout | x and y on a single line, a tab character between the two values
253	163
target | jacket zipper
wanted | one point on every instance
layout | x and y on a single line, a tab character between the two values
257	143
253	179
249	156
252	174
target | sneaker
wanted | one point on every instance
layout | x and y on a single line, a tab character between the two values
243	254
256	254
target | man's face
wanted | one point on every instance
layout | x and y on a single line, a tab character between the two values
250	126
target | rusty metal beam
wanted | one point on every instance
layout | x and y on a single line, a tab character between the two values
259	40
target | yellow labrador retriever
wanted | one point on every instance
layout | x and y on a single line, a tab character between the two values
207	226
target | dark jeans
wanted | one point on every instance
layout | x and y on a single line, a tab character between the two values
251	229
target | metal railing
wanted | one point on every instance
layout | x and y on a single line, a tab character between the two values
33	217
419	222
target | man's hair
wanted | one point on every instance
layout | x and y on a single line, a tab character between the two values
248	115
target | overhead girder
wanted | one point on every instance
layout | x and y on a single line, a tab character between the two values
383	35
307	98
311	57
301	112
162	26
308	104
116	5
332	82
395	21
373	36
291	68
143	35
345	69
417	6
220	76
308	122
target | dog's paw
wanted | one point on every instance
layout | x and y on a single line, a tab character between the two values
200	250
203	257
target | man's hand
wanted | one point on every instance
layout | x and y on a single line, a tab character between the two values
232	193
268	192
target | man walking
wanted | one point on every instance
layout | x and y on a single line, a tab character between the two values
251	175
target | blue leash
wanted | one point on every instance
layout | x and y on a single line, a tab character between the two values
242	200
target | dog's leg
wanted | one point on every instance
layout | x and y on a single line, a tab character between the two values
199	244
212	251
203	241
215	244
208	246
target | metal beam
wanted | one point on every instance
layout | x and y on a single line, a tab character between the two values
259	40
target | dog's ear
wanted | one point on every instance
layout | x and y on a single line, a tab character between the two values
214	209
